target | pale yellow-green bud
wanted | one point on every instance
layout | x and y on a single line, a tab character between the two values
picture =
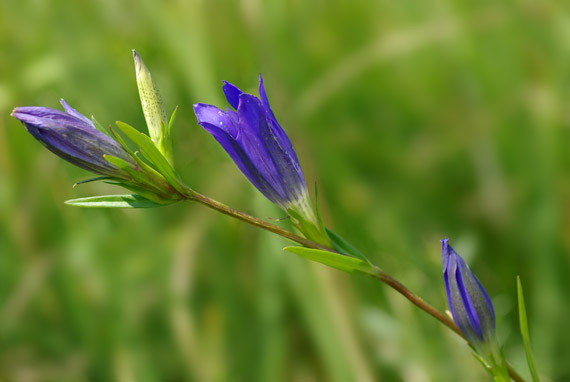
153	108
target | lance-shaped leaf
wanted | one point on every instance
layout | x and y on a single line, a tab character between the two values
113	201
334	260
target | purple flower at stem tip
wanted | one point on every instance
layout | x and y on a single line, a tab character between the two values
470	305
257	144
73	137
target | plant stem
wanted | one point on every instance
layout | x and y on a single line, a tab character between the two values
220	207
416	300
380	274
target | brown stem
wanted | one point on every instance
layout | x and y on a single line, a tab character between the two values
380	274
214	204
416	300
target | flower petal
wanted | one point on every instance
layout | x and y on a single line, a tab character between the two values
242	160
232	94
279	133
282	170
215	116
71	111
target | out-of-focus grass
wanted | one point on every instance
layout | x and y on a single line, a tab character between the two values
418	120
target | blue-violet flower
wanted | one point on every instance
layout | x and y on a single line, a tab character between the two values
469	303
255	141
73	137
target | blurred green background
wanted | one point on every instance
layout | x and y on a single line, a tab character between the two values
417	120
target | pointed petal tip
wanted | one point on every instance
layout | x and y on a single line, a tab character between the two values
205	112
232	94
22	113
198	106
14	112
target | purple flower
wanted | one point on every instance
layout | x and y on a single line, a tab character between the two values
73	137
252	137
469	303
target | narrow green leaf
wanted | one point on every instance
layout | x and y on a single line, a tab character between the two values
113	201
152	154
524	332
334	260
344	246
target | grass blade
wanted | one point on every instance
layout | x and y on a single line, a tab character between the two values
524	332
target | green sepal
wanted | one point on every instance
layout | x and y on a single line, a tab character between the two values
151	179
150	195
482	362
123	165
99	126
334	260
166	140
309	229
171	122
95	179
113	201
343	246
322	227
499	366
153	155
134	154
524	332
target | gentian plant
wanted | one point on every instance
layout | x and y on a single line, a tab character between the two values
251	135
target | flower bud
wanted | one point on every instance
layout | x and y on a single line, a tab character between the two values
73	137
152	106
469	303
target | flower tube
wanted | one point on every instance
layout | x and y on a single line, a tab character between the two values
257	144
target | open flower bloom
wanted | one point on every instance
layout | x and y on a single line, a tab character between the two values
469	303
260	148
73	137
